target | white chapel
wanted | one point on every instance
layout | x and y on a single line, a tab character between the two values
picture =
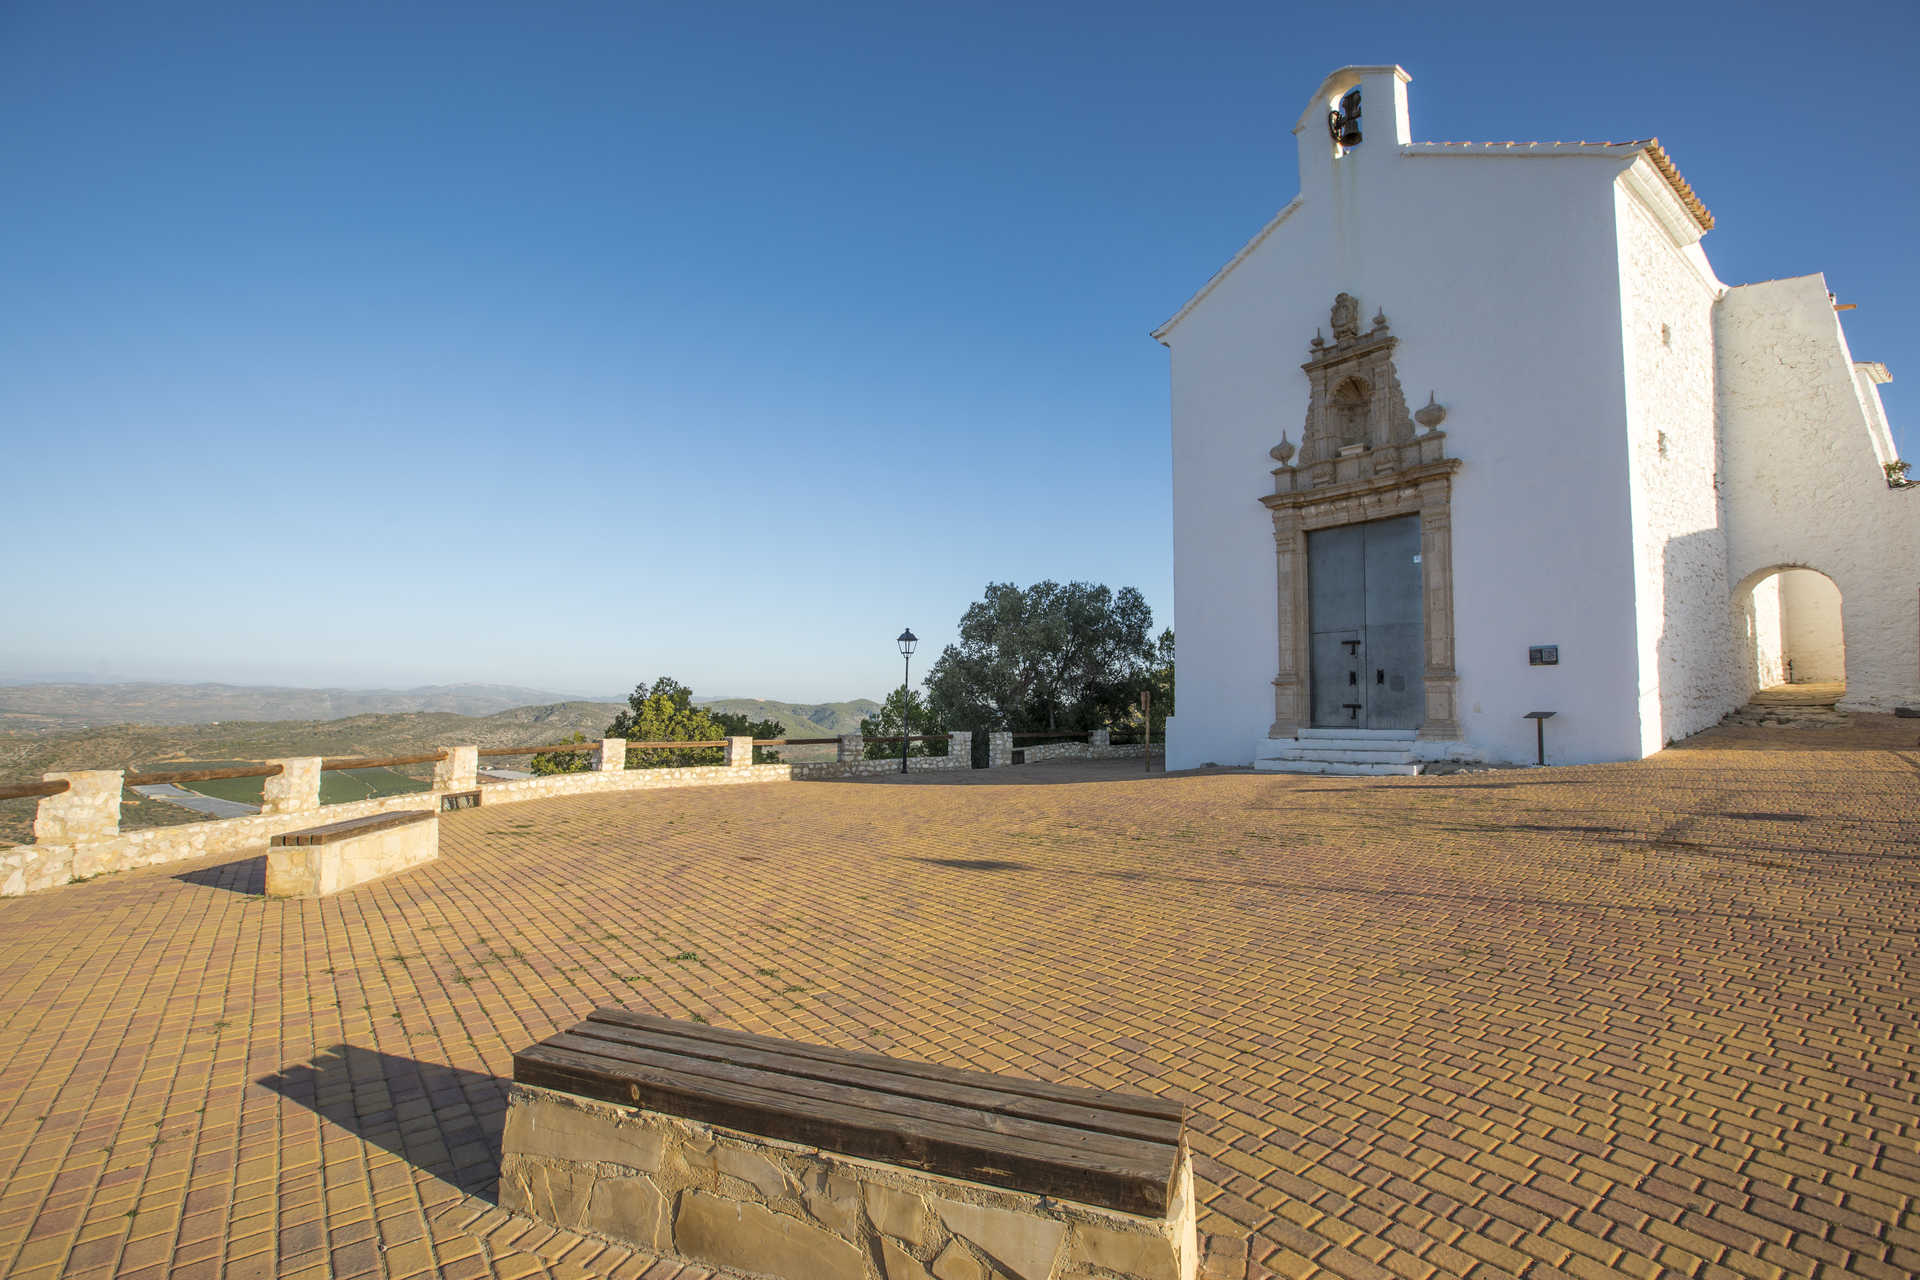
1470	431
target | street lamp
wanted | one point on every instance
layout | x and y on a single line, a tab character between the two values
906	642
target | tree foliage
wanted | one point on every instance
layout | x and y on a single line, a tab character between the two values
1049	657
546	763
888	722
664	712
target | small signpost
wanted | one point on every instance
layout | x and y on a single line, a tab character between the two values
1540	719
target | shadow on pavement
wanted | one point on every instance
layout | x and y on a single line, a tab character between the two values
246	875
441	1120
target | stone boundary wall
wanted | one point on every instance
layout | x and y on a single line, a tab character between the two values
1098	746
721	1198
77	833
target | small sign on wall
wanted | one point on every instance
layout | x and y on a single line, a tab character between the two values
1543	655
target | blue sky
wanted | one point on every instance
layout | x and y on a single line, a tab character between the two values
570	345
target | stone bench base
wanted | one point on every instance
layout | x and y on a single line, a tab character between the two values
312	864
720	1198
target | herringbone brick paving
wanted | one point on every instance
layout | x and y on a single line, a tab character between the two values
1643	1019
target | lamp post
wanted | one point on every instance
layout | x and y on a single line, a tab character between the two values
906	642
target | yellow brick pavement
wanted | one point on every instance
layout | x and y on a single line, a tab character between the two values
1623	1020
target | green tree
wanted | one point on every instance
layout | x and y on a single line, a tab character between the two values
664	712
1046	657
919	719
551	762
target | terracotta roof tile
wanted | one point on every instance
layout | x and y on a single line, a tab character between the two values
1655	152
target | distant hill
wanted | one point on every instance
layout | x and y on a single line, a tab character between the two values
30	708
800	719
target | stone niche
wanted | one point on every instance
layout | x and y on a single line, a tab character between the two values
720	1198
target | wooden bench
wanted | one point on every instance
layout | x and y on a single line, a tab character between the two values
326	859
766	1156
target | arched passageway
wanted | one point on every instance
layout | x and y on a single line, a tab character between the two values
1791	637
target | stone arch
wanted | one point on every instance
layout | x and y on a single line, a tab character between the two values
1789	628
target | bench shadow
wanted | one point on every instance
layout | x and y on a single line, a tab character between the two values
244	875
975	864
442	1120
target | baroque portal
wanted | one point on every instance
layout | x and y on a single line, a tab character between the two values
1360	461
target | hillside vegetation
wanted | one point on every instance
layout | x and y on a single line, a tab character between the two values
25	756
800	719
44	708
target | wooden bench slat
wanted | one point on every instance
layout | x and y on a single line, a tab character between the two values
951	1150
352	827
803	1093
982	1093
1128	1103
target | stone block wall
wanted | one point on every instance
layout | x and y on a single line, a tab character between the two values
720	1198
999	749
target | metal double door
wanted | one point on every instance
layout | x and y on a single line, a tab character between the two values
1364	615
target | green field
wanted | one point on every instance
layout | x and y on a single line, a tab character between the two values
337	786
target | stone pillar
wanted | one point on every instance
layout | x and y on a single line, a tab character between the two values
89	809
612	755
1099	740
852	747
459	771
960	749
295	789
999	748
739	752
1290	710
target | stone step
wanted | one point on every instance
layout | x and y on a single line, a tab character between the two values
1350	742
1383	735
1339	767
1342	754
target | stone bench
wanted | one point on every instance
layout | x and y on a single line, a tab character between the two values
768	1157
323	860
453	800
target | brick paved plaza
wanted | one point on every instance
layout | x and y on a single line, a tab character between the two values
1632	1019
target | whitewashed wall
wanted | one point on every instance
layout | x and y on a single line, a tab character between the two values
1803	442
1499	274
1814	640
1765	636
1687	678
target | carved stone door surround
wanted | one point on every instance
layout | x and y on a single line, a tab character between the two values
1361	460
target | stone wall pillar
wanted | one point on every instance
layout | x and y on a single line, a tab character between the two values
960	748
999	749
459	771
1099	740
295	789
89	809
612	755
852	747
739	752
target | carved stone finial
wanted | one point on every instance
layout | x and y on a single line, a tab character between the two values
1318	341
1379	319
1346	317
1282	453
1432	414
